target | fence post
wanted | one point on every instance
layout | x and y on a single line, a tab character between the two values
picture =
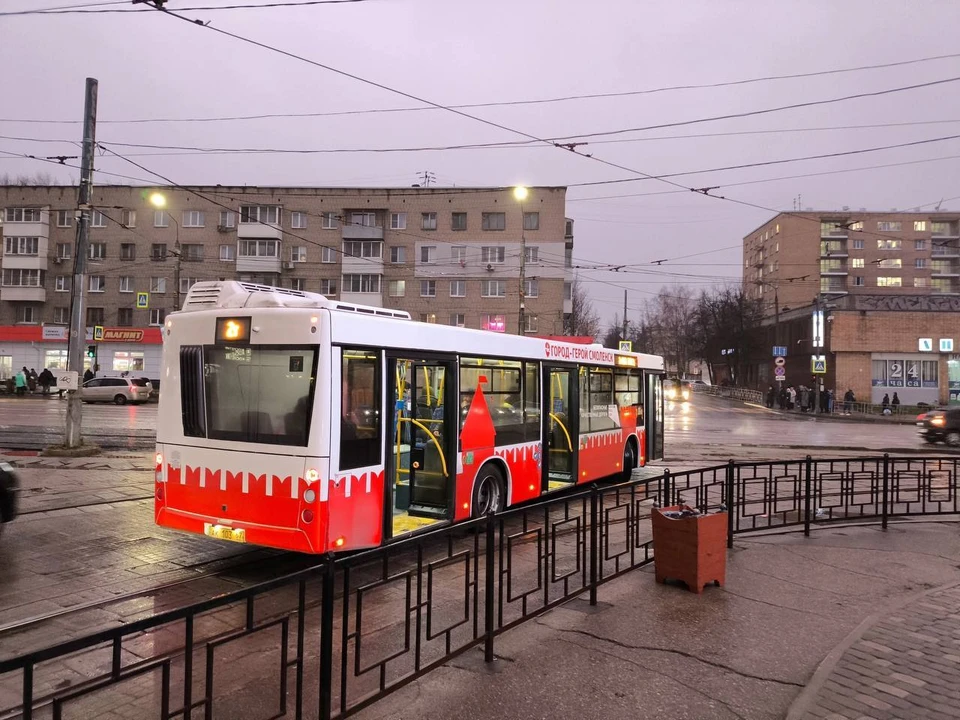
729	502
488	590
806	495
594	541
885	510
665	489
27	712
326	639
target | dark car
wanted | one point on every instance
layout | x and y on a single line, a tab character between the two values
9	494
941	426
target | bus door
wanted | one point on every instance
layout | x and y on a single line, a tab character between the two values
653	415
421	461
561	427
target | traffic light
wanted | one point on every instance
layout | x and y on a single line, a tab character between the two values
91	351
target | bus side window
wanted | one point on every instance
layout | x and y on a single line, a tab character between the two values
531	402
360	421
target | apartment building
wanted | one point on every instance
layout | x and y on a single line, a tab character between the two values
876	295
446	255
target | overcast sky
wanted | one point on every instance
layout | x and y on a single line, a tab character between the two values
469	51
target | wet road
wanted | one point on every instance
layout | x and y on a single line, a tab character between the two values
33	423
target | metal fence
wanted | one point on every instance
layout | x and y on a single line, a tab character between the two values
736	393
329	641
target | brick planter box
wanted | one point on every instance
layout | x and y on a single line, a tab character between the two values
691	549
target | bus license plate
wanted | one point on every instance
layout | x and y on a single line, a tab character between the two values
224	532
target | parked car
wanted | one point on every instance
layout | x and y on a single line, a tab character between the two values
9	494
941	426
116	390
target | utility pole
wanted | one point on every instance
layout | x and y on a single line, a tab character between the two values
623	332
78	332
818	324
523	276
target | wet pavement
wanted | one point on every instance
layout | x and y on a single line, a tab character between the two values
37	421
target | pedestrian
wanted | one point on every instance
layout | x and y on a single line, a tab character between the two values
770	397
783	397
830	401
32	380
824	400
20	381
848	400
804	398
46	380
792	400
885	404
895	402
88	375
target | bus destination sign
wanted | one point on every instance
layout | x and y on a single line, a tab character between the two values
579	353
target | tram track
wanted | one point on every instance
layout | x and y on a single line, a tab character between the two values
41	511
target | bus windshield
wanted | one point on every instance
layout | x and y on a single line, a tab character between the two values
259	394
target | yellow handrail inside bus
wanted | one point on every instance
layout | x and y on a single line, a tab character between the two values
426	383
433	439
562	427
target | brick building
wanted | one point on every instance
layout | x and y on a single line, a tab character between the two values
446	255
876	294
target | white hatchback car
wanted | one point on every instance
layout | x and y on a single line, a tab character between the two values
119	391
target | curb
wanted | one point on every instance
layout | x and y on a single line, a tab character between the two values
808	695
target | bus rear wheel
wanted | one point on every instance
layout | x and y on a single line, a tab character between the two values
629	461
488	491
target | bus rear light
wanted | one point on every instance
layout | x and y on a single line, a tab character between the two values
307	516
309	497
339	541
159	459
532	487
312	475
160	492
466	506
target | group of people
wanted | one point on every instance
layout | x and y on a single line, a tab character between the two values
29	380
804	399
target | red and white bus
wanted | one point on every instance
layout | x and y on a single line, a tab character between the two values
294	421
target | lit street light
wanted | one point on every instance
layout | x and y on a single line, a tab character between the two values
159	201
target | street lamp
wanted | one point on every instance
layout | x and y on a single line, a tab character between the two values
521	193
159	201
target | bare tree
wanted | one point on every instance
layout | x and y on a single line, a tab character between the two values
583	319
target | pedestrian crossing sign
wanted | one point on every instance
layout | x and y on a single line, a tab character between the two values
818	364
143	300
626	346
98	332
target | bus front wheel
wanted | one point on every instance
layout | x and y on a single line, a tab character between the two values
488	491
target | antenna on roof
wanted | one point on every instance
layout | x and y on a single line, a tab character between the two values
937	208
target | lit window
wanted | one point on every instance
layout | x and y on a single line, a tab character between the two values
919	225
889	282
428	317
494	323
888	244
891	263
397	288
856	262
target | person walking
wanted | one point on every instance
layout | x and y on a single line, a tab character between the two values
45	379
20	382
895	402
848	400
792	397
885	404
88	375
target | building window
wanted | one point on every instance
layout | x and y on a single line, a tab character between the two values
158	252
157	316
14	277
428	254
160	219
531	288
530	323
128	251
63	283
397	288
97	251
126	284
298	220
125	317
328	221
298	284
531	254
193	219
428	317
363	249
920	263
921	282
458	288
64	218
858	225
891	263
398	255
884	281
458	221
493	288
888	244
458	253
21	246
458	320
494	323
26	314
888	225
919	225
61	315
919	244
158	285
97	284
361	283
428	288
492	254
428	221
259	248
568	291
328	287
363	219
531	221
854	262
942	228
192	252
188	282
23	215
64	251
259	214
328	255
398	221
228	253
858	281
858	244
128	218
98	219
95	316
228	219
493	221
298	254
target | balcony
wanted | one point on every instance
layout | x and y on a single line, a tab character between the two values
944	269
833	249
22	293
832	230
832	268
361	232
944	251
257	231
945	287
26	262
258	264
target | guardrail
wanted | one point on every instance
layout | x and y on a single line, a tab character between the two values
754	396
336	638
